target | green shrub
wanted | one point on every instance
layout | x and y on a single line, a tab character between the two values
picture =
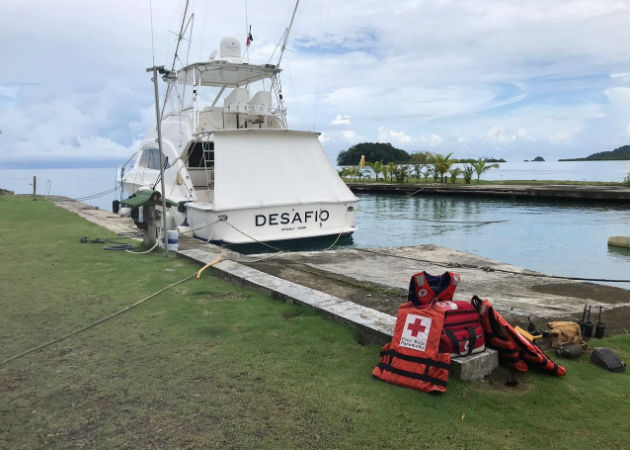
468	173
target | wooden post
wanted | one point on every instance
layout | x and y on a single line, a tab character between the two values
34	186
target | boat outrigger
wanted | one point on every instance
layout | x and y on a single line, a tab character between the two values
237	172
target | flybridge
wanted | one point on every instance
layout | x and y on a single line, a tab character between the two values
224	74
197	90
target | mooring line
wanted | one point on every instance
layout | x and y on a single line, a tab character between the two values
110	316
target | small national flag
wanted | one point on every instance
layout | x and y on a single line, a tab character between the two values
250	38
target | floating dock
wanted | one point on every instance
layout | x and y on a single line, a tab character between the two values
572	192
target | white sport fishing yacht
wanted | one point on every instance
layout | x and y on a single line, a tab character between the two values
238	173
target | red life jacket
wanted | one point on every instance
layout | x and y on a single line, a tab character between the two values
514	350
463	333
424	288
412	359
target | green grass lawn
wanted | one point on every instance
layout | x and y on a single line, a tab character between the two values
211	365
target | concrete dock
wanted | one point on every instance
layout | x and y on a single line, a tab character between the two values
569	192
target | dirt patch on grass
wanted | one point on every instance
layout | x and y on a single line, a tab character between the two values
507	380
12	380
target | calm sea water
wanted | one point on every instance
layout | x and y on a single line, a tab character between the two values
551	237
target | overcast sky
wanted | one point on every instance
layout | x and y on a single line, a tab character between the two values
508	79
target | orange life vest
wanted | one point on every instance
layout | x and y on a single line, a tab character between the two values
424	288
412	358
514	350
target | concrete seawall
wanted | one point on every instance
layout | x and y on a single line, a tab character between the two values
612	194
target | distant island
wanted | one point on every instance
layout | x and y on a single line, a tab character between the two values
489	160
373	151
619	154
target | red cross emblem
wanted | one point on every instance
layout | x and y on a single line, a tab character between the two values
416	327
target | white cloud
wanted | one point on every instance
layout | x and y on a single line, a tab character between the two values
340	120
534	70
432	140
396	138
351	136
323	137
81	127
499	134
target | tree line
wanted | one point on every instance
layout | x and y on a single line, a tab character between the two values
398	166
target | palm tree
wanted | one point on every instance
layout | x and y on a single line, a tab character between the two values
417	169
427	173
480	166
442	164
454	172
385	170
468	173
391	168
377	167
401	172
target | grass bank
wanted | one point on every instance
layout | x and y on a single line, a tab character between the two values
210	365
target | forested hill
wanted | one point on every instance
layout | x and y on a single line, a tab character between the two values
373	151
620	153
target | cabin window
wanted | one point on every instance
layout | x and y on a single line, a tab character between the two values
150	159
202	155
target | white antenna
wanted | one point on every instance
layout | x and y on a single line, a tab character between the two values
276	85
180	35
186	25
282	43
285	37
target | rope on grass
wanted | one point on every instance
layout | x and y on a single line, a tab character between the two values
157	242
104	319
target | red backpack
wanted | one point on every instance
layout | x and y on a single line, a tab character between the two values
462	334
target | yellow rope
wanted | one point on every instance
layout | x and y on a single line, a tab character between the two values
198	275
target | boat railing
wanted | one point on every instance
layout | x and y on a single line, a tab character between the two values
234	117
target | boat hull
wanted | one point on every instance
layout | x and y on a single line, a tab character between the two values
268	224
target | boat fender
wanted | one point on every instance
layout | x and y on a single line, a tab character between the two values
185	231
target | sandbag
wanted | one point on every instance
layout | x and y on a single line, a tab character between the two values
565	332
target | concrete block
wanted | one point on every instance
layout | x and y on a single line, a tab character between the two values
475	367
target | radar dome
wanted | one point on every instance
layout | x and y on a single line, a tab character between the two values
230	49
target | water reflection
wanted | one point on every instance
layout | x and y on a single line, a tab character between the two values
622	253
556	237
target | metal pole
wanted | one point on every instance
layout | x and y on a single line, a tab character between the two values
34	185
155	69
